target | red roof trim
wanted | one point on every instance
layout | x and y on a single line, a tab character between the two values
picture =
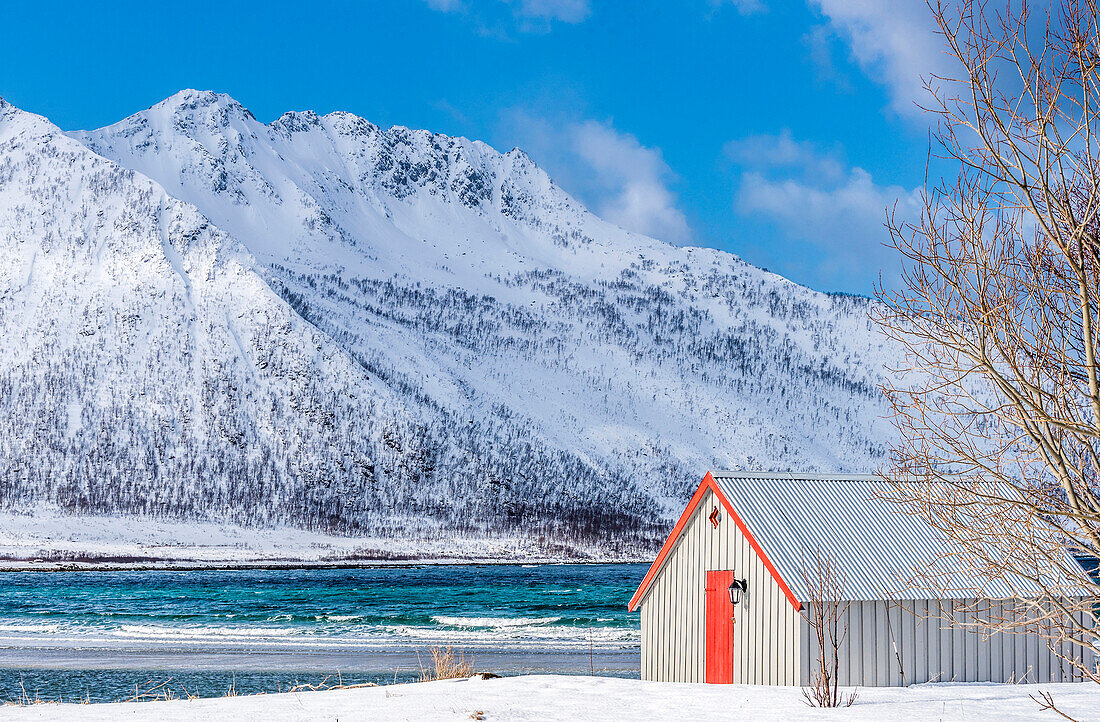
709	483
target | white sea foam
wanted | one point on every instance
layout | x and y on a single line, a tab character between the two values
541	635
328	632
30	628
203	632
494	622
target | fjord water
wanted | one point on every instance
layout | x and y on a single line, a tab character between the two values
96	635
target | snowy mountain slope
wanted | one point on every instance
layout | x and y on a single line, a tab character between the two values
145	364
468	276
147	367
322	323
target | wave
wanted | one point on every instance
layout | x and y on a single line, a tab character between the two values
494	622
324	630
481	634
30	628
203	632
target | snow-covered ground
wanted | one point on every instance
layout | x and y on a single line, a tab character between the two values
52	539
594	698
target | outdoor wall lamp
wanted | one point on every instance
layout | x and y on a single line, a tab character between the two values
737	590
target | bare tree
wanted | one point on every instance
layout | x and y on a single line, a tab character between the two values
826	613
998	400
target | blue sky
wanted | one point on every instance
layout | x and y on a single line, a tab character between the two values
778	131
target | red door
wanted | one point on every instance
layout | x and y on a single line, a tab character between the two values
719	663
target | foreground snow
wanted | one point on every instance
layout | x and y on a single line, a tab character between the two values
589	698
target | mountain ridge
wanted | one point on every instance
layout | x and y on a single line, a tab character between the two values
529	367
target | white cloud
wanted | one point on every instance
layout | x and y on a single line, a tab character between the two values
895	42
745	7
854	209
783	151
815	198
635	176
531	14
569	11
620	179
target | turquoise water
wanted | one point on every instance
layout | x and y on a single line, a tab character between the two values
98	634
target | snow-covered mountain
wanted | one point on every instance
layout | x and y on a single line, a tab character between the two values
321	323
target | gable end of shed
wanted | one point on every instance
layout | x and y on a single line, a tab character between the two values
655	569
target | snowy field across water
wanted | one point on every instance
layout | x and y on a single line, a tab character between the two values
52	539
596	699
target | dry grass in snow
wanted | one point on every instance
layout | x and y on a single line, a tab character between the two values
446	664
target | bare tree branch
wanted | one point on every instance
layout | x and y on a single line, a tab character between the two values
825	611
998	398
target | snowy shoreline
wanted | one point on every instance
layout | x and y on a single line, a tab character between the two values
51	540
552	697
22	565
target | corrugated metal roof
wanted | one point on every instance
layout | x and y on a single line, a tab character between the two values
878	548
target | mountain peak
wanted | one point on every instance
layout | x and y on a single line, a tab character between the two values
314	164
297	121
189	103
15	122
190	97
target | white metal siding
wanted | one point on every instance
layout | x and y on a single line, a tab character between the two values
910	642
767	627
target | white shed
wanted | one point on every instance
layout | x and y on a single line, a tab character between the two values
752	532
